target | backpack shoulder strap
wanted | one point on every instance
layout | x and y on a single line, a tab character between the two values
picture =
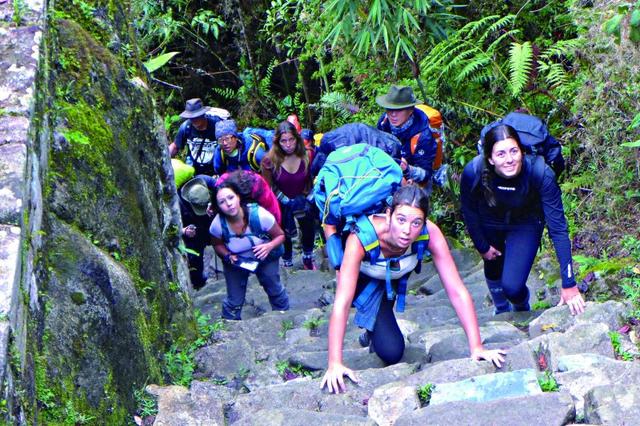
414	142
477	170
419	247
226	235
254	221
537	173
366	233
256	143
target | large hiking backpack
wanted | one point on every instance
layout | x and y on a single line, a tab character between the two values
253	144
355	180
256	231
437	131
534	136
352	134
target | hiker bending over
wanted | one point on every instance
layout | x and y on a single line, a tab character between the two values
364	284
507	197
198	134
286	168
248	239
194	198
411	125
234	151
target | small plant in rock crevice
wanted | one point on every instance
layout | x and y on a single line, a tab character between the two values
425	392
179	360
147	404
617	347
313	324
548	383
289	371
285	326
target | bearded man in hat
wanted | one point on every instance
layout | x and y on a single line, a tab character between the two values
403	120
198	133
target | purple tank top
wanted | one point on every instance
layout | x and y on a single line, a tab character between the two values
292	184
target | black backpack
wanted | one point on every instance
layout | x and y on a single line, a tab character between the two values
351	134
535	138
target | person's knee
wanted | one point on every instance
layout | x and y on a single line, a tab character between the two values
390	354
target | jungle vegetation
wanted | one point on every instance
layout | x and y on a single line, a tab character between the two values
575	63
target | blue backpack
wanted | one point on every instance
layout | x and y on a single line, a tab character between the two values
355	180
535	138
256	231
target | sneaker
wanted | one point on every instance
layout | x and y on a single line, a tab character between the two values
287	263
307	263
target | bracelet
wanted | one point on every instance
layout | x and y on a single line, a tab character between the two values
227	258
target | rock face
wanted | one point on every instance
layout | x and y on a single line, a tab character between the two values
266	369
96	288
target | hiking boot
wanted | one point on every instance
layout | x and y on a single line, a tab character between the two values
287	263
364	339
307	263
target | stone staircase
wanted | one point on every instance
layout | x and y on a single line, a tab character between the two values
266	369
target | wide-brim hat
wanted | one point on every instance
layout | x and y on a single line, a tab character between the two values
399	97
194	108
196	193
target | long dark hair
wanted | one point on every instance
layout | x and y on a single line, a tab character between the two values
233	186
493	136
413	196
276	154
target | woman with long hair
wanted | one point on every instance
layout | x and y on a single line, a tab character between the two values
248	239
507	197
362	283
286	168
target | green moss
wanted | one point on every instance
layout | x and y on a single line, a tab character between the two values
78	298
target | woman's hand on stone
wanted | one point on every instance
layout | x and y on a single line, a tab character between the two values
334	378
572	298
496	356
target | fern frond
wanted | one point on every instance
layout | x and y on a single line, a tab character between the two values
520	60
339	103
226	92
563	48
555	75
501	23
496	45
473	68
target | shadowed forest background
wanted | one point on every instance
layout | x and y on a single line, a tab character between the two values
573	63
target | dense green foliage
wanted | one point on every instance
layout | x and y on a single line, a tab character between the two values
327	60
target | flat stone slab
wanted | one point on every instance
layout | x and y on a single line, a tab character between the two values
560	319
276	417
613	405
488	387
547	409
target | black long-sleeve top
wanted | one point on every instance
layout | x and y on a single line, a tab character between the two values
524	200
